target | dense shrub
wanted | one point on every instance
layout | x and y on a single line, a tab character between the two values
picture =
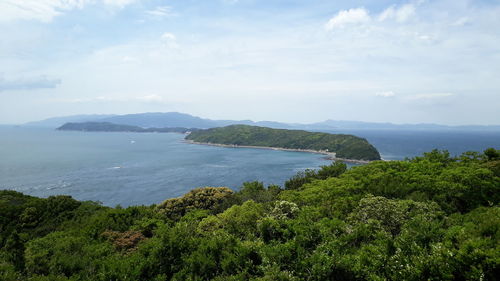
200	198
333	170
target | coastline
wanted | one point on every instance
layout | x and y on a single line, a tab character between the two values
329	155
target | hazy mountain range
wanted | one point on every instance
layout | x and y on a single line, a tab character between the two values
176	119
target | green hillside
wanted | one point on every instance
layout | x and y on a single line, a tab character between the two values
345	146
433	217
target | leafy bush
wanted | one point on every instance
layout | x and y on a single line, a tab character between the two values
200	198
285	210
333	170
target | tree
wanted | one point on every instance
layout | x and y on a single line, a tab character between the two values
328	171
200	198
257	192
492	154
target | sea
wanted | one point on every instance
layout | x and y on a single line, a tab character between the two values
146	168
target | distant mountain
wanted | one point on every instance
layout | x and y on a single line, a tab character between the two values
110	127
153	120
157	119
176	119
56	122
358	125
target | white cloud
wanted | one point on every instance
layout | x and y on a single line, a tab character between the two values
161	11
236	65
400	14
28	83
358	16
387	94
167	36
424	37
119	3
348	17
430	96
151	98
41	10
169	40
461	21
129	59
46	10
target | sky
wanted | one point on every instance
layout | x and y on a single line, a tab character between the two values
301	61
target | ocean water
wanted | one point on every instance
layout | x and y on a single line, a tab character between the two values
133	168
398	144
136	168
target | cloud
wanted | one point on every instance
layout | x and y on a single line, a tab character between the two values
160	11
169	40
348	17
400	14
41	10
129	59
430	100
358	16
46	10
430	96
118	3
167	36
153	98
236	65
387	94
32	83
461	21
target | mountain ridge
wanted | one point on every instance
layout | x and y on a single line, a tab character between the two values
111	127
177	119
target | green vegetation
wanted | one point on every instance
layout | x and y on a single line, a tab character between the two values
334	170
111	127
434	217
345	146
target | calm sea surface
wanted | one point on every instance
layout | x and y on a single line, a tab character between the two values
131	168
398	144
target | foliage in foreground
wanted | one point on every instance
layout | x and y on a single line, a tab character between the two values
433	217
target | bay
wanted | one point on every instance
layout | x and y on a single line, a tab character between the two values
147	168
133	168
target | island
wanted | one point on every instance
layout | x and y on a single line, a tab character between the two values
111	127
336	146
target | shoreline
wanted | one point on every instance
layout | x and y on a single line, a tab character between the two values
329	155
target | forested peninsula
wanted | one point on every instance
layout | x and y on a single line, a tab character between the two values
348	147
111	127
433	217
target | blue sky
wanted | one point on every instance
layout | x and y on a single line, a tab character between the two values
296	61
